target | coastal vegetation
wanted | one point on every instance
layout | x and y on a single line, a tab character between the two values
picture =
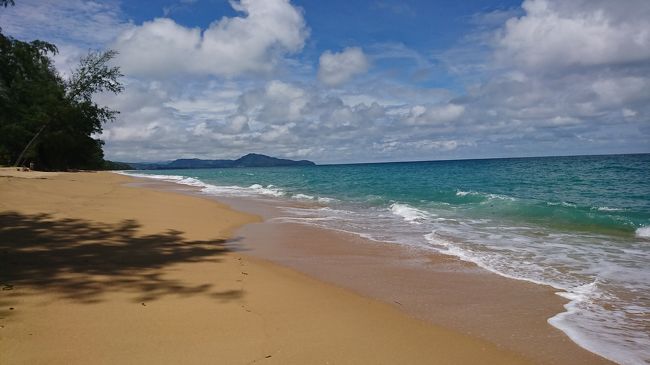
46	119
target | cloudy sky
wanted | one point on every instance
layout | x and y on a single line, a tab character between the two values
361	81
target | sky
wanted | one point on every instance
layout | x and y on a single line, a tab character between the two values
360	81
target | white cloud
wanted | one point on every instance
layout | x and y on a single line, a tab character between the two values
74	26
337	68
420	115
621	90
253	42
278	102
569	77
87	24
67	60
629	113
554	34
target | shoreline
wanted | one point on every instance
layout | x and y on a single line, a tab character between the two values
96	271
533	311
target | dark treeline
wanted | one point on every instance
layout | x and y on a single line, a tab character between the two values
45	119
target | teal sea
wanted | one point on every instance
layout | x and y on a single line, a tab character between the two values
580	224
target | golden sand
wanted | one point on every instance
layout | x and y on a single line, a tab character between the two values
96	271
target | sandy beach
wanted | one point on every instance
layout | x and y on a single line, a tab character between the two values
94	271
325	182
436	288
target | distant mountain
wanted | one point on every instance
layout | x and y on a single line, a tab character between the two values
250	160
256	160
195	163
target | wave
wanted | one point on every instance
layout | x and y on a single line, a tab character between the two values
559	214
562	215
303	197
447	247
562	204
255	189
306	197
562	321
607	209
408	213
171	178
609	338
608	331
486	196
643	232
269	190
525	238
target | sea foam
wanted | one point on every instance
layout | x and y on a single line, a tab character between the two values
255	189
270	190
487	196
607	209
408	213
643	232
518	248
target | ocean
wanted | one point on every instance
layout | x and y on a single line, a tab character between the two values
580	224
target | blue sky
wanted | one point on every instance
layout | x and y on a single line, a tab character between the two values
361	81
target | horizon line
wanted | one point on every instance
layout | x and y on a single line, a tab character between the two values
404	161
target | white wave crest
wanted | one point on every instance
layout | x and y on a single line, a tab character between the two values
607	209
303	197
268	190
184	180
485	195
410	214
255	189
643	232
564	204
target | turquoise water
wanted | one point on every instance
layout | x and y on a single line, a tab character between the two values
580	224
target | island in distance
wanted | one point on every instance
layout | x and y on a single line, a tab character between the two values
250	160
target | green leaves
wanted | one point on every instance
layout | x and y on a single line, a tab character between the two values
48	120
93	75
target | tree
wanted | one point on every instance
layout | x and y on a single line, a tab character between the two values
46	119
94	75
30	90
71	143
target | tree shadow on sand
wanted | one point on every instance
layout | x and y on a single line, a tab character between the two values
81	260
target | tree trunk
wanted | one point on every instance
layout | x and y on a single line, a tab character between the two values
18	161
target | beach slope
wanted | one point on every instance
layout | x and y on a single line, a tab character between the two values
95	269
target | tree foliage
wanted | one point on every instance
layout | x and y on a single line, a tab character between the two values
94	75
58	115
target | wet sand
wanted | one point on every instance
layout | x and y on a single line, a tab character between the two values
436	288
95	271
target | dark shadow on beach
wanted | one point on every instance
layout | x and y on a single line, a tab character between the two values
81	260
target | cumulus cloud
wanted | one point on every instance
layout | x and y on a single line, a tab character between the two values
554	34
420	115
278	102
60	22
83	23
563	76
253	42
160	121
556	76
577	93
336	68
